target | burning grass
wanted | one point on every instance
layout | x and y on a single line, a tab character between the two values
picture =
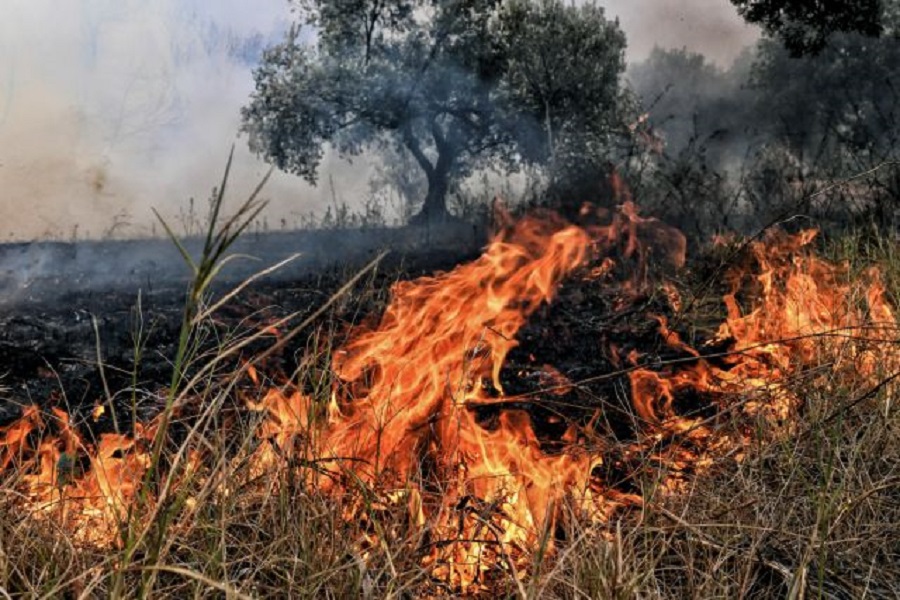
746	451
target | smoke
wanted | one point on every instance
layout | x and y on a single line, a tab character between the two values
690	63
111	107
710	27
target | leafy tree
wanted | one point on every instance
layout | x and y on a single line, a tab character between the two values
837	113
847	94
458	84
804	26
563	69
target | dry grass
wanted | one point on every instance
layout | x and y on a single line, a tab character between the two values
809	512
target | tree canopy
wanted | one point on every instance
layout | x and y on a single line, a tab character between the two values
805	26
458	84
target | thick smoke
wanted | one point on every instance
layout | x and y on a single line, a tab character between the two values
710	27
111	107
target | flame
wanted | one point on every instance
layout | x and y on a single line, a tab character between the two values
440	346
405	419
405	388
803	312
89	488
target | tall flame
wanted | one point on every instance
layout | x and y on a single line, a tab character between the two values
403	420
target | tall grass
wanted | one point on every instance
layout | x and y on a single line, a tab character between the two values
810	512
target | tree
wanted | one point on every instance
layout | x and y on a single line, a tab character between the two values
805	26
838	115
563	70
458	84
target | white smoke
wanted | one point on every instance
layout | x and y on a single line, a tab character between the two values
111	107
710	27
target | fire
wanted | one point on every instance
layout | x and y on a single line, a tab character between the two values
440	346
89	488
406	417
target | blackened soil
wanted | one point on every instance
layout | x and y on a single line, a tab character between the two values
561	373
66	309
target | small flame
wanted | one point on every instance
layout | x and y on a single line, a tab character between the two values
88	487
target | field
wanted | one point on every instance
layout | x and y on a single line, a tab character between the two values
580	412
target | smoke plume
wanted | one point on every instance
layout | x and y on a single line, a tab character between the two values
111	107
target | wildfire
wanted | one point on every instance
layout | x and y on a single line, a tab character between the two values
88	489
404	423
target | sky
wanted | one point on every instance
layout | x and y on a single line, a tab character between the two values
109	108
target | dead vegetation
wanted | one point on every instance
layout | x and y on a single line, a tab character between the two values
239	500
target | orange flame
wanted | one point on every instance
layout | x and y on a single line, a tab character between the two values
403	416
88	487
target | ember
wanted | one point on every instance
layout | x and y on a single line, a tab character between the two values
419	415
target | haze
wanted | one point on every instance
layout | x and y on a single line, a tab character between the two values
111	107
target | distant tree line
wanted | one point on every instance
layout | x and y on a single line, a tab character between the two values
777	134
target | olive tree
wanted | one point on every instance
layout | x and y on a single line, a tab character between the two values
804	26
457	84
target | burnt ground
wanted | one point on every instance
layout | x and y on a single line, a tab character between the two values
50	336
48	355
61	302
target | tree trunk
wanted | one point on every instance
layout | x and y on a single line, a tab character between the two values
438	174
435	208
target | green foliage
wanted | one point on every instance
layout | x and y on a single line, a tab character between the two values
847	93
805	27
837	115
458	86
564	64
772	137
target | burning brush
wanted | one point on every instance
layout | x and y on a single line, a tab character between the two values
421	413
